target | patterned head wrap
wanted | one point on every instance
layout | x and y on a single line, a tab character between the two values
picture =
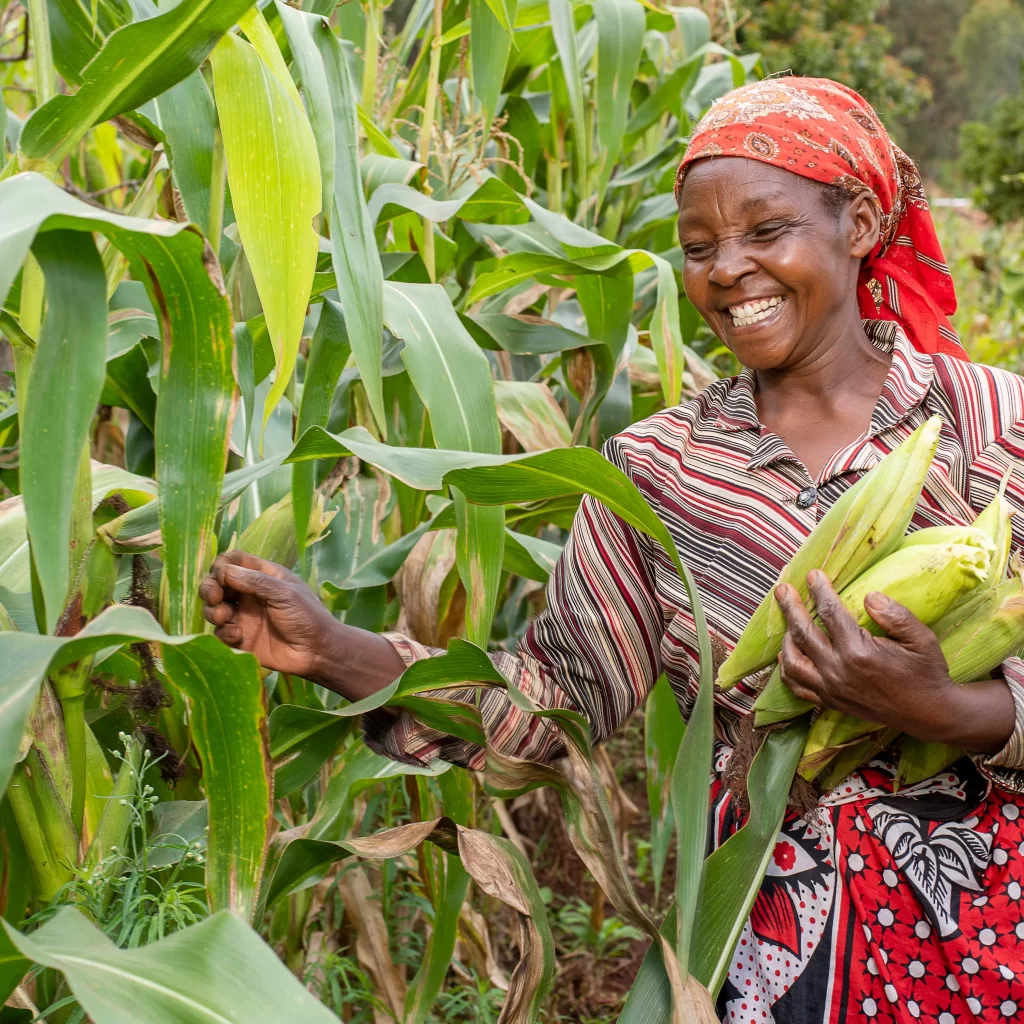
824	131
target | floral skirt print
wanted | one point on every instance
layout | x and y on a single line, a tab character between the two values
893	906
901	907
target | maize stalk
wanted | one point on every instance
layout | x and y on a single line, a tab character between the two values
861	528
928	580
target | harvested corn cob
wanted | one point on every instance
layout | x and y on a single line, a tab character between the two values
927	579
861	528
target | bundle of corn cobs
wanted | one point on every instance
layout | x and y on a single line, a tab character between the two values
953	578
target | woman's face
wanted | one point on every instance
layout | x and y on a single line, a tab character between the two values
768	266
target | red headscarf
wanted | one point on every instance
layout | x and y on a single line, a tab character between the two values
822	130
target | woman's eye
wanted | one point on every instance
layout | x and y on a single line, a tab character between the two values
768	230
697	250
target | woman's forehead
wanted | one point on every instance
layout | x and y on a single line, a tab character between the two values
737	186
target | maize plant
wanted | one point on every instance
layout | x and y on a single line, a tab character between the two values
359	290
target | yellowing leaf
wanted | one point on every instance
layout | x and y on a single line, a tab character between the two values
274	175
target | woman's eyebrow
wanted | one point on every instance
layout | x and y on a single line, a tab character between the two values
764	199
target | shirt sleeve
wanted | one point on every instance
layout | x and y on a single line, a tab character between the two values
1006	767
595	649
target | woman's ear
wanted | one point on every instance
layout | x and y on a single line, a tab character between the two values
864	218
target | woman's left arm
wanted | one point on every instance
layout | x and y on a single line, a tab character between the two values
899	680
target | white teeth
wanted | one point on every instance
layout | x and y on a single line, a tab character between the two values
753	312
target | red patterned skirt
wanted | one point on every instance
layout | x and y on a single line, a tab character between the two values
903	907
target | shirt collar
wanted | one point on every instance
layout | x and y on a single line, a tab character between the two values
905	388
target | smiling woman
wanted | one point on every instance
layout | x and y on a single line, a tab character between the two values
811	253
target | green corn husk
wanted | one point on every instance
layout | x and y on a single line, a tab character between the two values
976	636
927	579
860	529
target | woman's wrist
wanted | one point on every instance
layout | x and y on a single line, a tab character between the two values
978	717
354	662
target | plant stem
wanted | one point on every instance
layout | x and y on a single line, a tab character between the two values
42	51
427	129
218	178
370	45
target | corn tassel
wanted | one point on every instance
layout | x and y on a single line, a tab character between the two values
928	580
860	529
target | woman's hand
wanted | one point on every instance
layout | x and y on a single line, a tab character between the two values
262	608
900	680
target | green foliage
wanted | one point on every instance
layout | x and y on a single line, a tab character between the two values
992	158
840	39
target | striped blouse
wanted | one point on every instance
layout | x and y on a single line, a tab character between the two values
738	504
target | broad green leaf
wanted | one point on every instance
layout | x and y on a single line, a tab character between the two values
529	412
301	741
490	39
187	117
453	379
75	37
328	353
177	824
734	872
733	876
663	731
228	727
137	62
274	176
12	965
69	362
689	788
357	269
620	40
564	29
196	387
530	557
216	972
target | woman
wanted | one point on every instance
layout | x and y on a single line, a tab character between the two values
811	254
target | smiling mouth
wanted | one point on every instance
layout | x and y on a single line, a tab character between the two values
754	312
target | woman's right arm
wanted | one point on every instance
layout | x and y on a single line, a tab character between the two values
595	649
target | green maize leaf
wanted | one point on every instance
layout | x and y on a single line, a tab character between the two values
490	479
663	731
669	96
529	412
75	38
734	872
620	40
732	879
328	353
524	334
450	893
136	63
196	386
663	158
274	176
563	28
453	378
490	199
69	362
530	557
377	170
216	972
215	679
490	28
689	788
330	94
301	741
12	966
228	728
187	117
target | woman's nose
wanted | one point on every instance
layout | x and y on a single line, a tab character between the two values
731	262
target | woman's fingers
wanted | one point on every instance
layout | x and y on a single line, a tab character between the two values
247	561
841	625
809	637
799	673
211	591
251	581
230	634
218	614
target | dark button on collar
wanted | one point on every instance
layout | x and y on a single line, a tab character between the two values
807	497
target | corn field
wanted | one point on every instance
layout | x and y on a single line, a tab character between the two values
360	290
